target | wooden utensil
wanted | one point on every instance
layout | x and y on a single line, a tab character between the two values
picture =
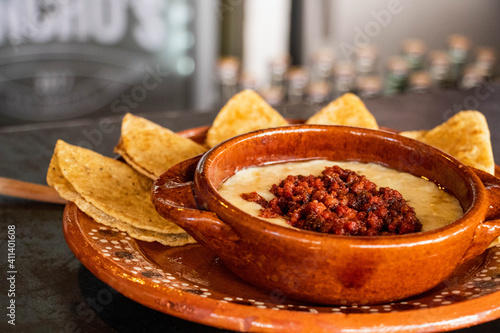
31	191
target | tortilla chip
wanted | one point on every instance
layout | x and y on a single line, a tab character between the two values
347	110
244	112
465	136
112	193
417	135
151	149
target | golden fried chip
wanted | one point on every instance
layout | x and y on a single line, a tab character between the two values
112	193
465	136
244	112
66	191
151	149
417	135
347	110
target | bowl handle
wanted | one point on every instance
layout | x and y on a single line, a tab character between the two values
489	229
173	196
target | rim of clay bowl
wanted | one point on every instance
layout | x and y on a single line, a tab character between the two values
216	202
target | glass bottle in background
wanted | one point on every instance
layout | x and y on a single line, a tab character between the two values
366	60
297	80
318	93
274	92
369	82
228	69
322	63
458	53
439	69
485	58
273	95
396	76
472	77
247	81
369	86
344	78
278	68
419	82
414	51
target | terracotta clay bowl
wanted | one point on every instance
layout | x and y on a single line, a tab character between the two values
324	268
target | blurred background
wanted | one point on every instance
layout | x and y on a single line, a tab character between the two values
70	59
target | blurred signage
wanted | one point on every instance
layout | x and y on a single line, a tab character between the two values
67	58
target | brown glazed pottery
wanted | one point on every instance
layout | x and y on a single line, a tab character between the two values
324	268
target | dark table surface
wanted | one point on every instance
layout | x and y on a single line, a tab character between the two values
56	293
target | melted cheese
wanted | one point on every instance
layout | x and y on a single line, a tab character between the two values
433	206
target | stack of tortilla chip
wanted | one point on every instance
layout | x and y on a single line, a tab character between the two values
112	193
151	149
465	136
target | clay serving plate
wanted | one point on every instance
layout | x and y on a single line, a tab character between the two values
324	268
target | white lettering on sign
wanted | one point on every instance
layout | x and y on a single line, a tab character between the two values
150	32
108	20
104	22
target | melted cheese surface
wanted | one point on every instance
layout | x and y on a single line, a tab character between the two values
433	206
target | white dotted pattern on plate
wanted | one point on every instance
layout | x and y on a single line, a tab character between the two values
119	247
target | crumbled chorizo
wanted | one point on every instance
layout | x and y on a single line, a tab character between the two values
339	202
